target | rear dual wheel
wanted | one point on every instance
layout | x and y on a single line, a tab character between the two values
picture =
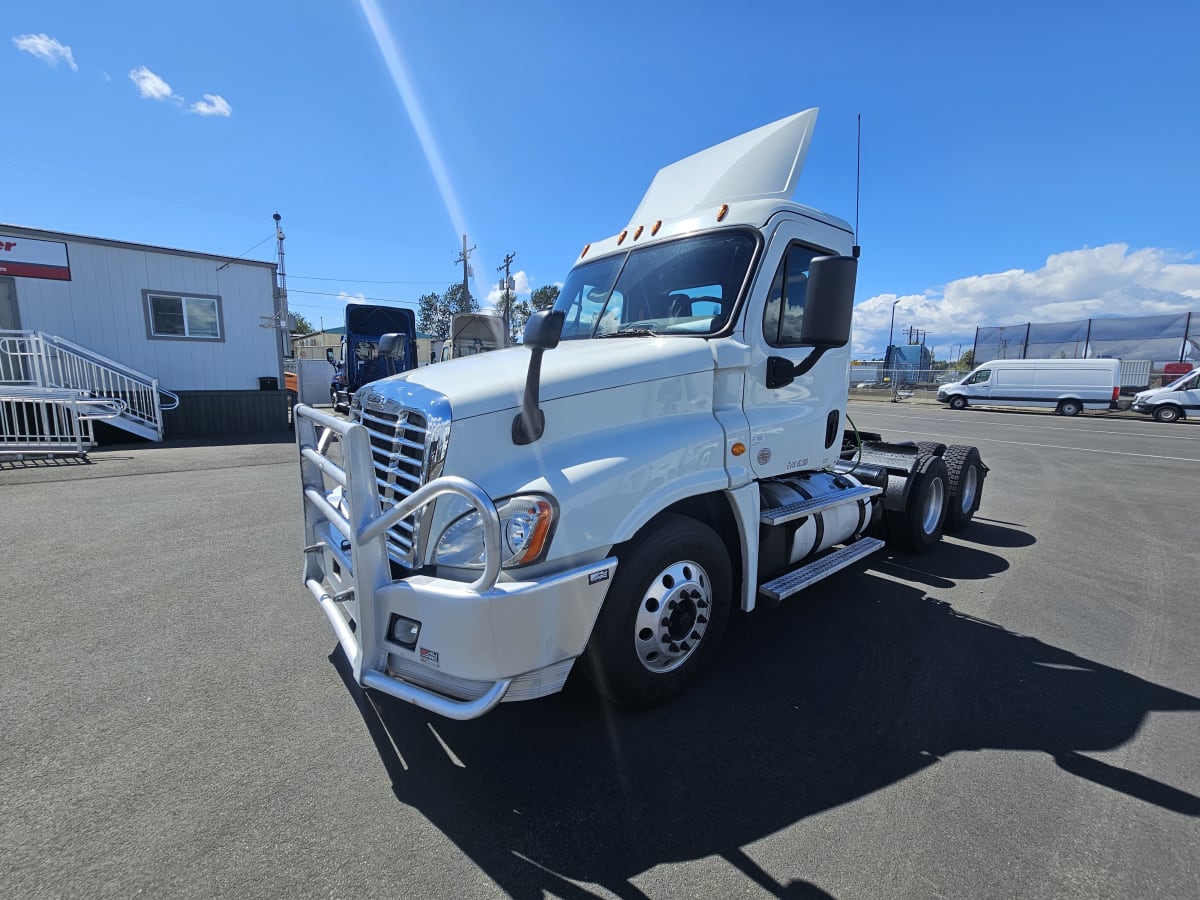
918	527
965	473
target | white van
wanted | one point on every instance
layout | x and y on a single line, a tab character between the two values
1068	386
1172	402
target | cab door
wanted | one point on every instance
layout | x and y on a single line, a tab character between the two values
796	427
979	384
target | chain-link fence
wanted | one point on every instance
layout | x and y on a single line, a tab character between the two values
1173	338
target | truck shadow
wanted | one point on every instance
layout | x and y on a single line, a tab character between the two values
809	706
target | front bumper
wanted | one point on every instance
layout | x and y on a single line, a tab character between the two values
477	643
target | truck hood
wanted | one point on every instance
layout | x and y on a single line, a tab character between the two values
490	382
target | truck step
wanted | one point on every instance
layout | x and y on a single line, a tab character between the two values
798	579
777	515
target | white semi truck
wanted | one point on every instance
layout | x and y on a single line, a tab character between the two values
669	443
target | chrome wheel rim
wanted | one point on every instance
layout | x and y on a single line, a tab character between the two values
967	488
935	499
673	616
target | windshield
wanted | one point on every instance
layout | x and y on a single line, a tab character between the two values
687	287
1181	383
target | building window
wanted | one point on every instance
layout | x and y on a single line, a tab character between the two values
182	317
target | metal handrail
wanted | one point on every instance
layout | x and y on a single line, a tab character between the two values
58	362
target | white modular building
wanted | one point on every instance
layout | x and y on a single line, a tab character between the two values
204	327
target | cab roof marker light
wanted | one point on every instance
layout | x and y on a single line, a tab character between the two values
621	237
722	212
654	229
586	248
638	233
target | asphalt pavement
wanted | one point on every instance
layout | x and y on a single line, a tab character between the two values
1016	713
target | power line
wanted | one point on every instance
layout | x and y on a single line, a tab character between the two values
244	252
358	280
352	297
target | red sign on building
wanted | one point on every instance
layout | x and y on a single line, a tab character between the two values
27	258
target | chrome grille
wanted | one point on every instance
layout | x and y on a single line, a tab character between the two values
398	442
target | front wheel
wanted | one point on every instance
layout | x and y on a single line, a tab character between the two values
1167	414
663	619
958	402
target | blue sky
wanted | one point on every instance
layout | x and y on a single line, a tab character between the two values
1021	161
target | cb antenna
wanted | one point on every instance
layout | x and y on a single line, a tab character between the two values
857	250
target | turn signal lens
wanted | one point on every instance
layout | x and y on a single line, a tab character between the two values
738	448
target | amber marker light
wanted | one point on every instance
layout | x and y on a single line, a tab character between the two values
738	449
637	234
586	248
654	230
722	212
621	239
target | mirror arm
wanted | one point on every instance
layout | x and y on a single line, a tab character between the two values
806	364
530	422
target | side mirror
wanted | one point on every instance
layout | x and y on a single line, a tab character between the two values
329	356
828	310
829	303
542	332
393	345
543	329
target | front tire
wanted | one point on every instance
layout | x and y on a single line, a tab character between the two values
1167	414
958	402
664	616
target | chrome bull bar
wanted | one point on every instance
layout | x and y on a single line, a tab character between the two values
363	531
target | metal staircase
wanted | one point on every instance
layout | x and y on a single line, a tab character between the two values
52	389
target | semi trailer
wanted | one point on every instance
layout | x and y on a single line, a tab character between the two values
667	448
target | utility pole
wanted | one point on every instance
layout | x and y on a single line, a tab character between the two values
463	258
507	295
281	319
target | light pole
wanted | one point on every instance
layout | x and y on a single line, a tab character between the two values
892	327
888	356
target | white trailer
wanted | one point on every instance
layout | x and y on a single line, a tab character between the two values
669	445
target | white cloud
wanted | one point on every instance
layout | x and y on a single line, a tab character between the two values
46	48
151	86
107	77
521	291
343	297
212	105
1093	282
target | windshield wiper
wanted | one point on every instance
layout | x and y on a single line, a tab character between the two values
630	332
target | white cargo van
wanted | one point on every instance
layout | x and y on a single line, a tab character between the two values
1066	385
1172	402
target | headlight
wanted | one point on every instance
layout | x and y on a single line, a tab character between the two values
526	524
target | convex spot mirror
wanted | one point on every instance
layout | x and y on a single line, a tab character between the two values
393	345
829	302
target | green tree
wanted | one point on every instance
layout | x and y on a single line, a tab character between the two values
432	316
543	298
436	311
303	326
967	360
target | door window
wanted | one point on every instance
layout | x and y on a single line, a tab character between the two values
784	311
979	377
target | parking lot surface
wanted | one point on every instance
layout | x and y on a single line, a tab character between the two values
1014	714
